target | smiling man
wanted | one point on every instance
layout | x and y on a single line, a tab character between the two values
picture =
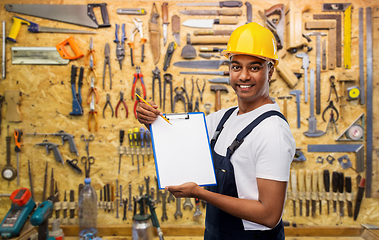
252	146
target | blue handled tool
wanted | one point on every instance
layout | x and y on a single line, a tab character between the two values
76	104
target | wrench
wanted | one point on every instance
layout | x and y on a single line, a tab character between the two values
140	188
147	181
117	208
120	195
164	209
130	208
171	198
116	187
158	200
198	213
152	191
178	212
125	203
187	203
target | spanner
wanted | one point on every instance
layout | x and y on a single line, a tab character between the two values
164	209
130	208
152	191
140	188
198	213
178	212
116	187
158	200
305	66
187	203
125	203
117	208
170	198
147	181
120	195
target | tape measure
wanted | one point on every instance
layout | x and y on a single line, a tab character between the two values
355	132
353	93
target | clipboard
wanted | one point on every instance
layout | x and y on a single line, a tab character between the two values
182	151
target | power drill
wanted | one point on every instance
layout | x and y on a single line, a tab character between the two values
40	218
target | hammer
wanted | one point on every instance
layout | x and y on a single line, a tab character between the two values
285	104
218	89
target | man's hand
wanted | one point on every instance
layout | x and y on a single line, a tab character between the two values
188	189
147	114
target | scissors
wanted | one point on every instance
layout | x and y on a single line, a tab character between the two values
74	164
87	164
90	139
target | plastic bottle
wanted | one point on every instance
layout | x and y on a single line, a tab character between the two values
87	212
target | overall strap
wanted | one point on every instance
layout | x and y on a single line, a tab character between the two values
220	125
240	137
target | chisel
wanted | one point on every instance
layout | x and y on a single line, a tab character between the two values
314	191
294	190
301	190
341	196
308	189
321	192
335	189
349	196
327	187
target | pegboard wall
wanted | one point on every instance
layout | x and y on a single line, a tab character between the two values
47	101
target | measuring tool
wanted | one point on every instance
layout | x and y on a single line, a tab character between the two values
131	11
355	132
14	220
9	172
3	56
353	93
17	139
361	58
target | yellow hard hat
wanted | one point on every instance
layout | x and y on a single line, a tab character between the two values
253	39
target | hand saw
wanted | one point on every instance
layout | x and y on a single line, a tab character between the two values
82	15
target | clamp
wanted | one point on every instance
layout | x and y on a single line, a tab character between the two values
332	107
120	49
92	113
156	75
202	90
107	61
137	28
108	102
122	101
332	88
167	80
179	95
90	52
138	75
93	90
91	69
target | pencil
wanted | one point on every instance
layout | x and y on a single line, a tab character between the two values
143	100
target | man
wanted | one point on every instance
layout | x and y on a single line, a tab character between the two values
252	150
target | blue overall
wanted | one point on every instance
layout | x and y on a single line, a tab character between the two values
220	225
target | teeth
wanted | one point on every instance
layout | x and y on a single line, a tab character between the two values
245	86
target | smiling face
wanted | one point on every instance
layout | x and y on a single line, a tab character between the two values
250	77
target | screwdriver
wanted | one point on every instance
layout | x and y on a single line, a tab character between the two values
136	138
17	140
130	136
147	140
121	141
142	137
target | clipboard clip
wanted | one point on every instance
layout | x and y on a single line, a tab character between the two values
171	116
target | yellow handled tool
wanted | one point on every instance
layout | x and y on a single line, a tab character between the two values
35	28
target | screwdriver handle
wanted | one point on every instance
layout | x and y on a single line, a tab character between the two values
147	138
335	181
341	180
314	185
17	139
130	136
142	137
294	184
327	180
308	182
136	137
122	133
301	180
320	179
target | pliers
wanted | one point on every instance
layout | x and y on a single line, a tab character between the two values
92	113
138	91
108	102
196	109
137	28
179	95
120	50
332	107
90	52
138	75
107	61
91	69
167	80
332	88
122	100
202	90
93	90
189	99
156	75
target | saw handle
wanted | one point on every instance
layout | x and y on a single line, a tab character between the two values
74	46
16	26
104	13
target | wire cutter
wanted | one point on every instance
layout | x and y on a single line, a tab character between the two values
92	113
93	90
157	75
90	52
167	80
108	102
91	69
332	88
122	101
202	90
107	61
120	50
137	28
138	75
179	95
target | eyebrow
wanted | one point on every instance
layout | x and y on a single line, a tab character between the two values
250	63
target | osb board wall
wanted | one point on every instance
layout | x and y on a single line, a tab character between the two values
46	103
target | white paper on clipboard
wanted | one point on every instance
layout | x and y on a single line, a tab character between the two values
182	152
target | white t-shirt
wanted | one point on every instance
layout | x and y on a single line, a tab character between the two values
267	152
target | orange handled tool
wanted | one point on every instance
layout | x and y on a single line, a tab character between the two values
74	46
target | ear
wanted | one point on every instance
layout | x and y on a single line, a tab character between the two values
270	71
